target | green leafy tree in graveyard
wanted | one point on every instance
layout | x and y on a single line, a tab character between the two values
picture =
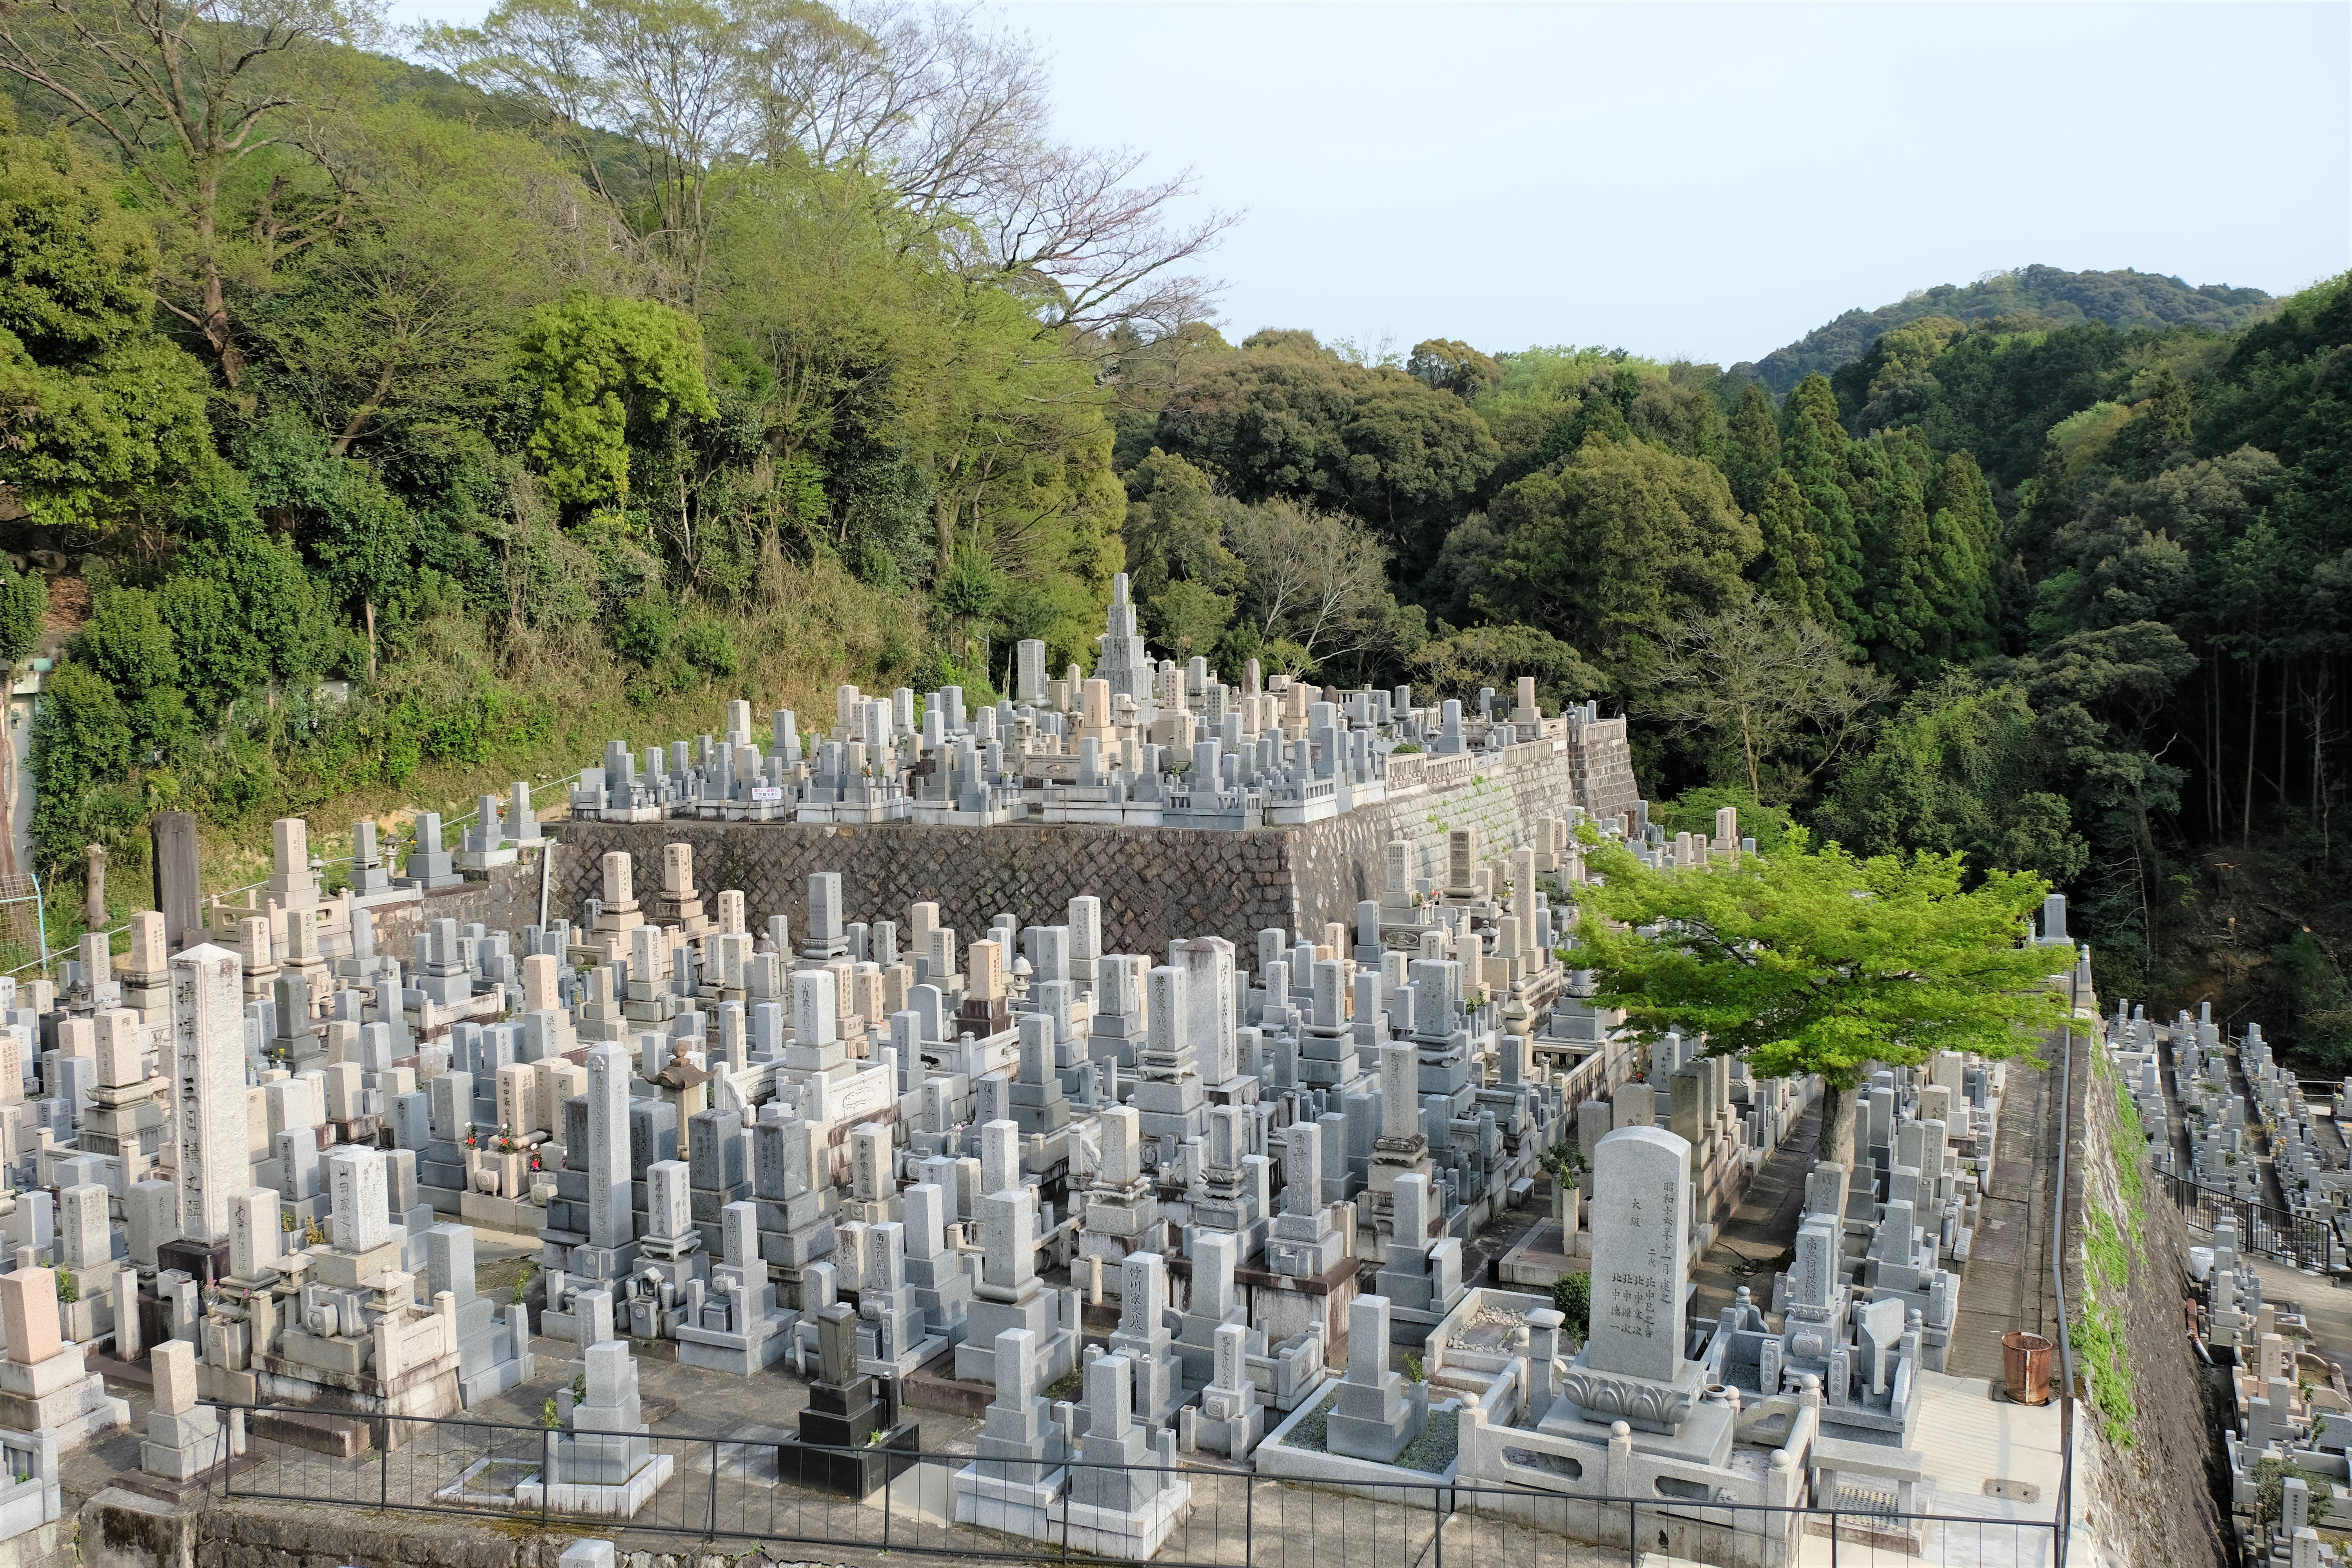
1819	961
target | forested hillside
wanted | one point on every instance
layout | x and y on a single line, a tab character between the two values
2046	296
377	431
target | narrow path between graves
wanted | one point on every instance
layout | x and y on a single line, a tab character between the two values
1759	1239
2005	1285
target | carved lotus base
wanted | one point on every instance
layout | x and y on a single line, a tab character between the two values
1645	1404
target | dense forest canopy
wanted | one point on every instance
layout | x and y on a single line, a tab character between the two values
2121	299
378	430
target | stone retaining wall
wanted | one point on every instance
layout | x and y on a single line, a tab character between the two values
1155	883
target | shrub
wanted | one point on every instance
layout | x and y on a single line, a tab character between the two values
126	641
1571	1294
80	740
645	630
23	606
708	644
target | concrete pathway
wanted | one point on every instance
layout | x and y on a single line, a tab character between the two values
2005	1284
1758	1240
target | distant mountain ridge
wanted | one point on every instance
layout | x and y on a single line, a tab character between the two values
2123	299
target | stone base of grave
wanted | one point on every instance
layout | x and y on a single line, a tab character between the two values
618	1501
88	1319
1412	1328
851	1472
1130	1534
714	1350
314	1431
181	1447
1359	1436
163	1489
1286	1307
494	1379
61	1394
1017	1507
924	1352
31	1503
933	1389
443	1200
1058	1347
1704	1439
227	1384
489	1483
1276	1456
1233	1435
429	1389
483	860
1543	1255
518	1215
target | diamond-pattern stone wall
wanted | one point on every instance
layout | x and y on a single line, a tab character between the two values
1156	884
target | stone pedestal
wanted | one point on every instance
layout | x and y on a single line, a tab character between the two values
851	1441
1371	1418
43	1381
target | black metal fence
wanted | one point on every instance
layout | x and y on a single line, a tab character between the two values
2263	1229
749	1490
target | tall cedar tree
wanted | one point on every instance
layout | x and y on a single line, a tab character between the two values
1813	452
1790	570
1752	454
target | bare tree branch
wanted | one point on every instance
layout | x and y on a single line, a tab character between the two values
1772	685
952	120
1317	578
185	89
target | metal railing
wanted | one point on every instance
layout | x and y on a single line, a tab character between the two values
2290	1237
760	1486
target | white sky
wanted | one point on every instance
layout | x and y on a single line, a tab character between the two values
1707	180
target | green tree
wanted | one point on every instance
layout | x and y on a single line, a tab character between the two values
1752	451
1890	513
1895	379
1284	417
1816	960
405	311
97	410
1813	446
1618	547
606	372
1963	550
1180	568
80	744
1963	768
1451	365
192	96
259	616
1460	663
1789	570
23	608
126	641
